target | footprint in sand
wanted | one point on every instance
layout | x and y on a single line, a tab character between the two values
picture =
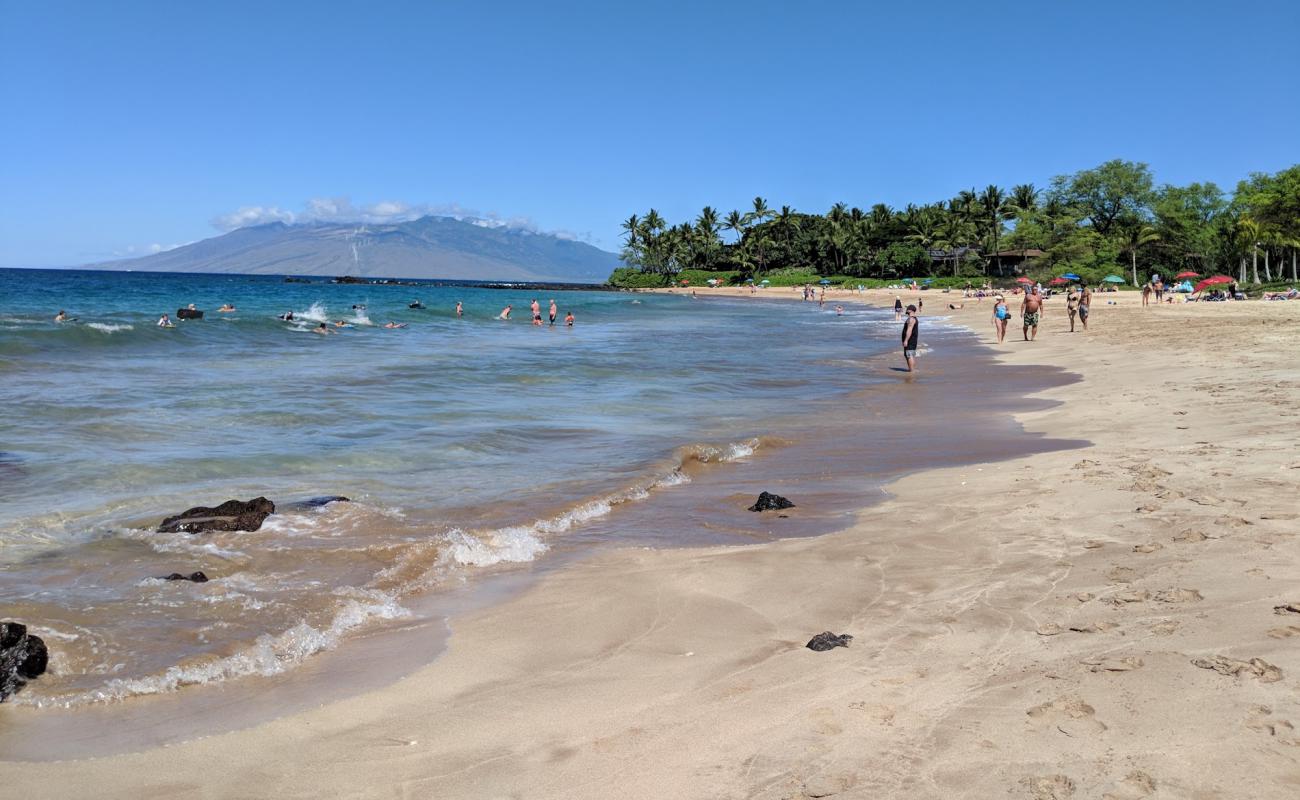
1129	596
1093	627
1261	719
1287	608
1190	536
1150	547
1135	786
1049	787
1093	544
1122	574
1126	664
1261	669
1069	715
1285	633
1083	597
1178	596
1165	627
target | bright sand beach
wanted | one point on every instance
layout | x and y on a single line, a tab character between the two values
1094	622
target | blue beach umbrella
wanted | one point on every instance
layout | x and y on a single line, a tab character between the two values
1113	279
1070	276
824	282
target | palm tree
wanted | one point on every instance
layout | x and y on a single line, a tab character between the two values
1135	235
736	224
993	203
1249	230
761	212
785	221
1024	201
632	226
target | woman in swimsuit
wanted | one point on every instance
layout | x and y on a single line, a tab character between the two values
1000	317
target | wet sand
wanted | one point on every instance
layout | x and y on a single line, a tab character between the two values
1085	622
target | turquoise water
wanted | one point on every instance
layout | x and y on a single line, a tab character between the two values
464	442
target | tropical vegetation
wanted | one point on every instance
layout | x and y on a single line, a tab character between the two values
1109	220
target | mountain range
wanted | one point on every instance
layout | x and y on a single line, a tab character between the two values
429	247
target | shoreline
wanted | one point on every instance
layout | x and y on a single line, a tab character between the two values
977	669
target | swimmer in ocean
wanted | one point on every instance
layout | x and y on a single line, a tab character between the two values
165	321
322	329
568	320
391	324
505	313
225	309
460	309
553	312
62	316
287	316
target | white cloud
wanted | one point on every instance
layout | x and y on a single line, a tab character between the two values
251	215
341	209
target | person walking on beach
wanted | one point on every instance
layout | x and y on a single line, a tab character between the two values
898	309
553	312
1072	306
1085	305
911	336
1030	308
1146	293
1001	315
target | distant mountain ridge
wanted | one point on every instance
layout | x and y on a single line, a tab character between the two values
428	247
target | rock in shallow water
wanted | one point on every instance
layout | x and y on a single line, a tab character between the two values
22	657
770	502
317	502
828	641
195	577
232	515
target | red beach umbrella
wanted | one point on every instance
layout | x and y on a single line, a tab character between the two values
1187	274
685	281
1057	281
1212	281
1023	280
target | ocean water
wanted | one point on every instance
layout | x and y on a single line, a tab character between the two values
466	445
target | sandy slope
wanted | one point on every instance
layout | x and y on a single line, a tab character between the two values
1089	623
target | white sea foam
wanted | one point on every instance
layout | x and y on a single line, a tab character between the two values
109	328
508	545
269	655
315	313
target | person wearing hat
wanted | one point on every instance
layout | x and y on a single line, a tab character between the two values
911	330
1001	314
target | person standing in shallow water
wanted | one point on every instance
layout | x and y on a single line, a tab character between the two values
911	337
460	308
553	312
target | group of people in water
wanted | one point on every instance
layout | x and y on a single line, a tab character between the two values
536	309
325	328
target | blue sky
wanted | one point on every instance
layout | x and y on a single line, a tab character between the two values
134	125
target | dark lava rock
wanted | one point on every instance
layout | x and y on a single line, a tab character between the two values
770	502
828	641
232	515
22	657
196	577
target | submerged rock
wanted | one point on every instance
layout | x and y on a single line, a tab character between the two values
770	502
232	515
22	657
828	641
195	577
317	502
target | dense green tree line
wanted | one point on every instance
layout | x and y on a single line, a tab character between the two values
1110	219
